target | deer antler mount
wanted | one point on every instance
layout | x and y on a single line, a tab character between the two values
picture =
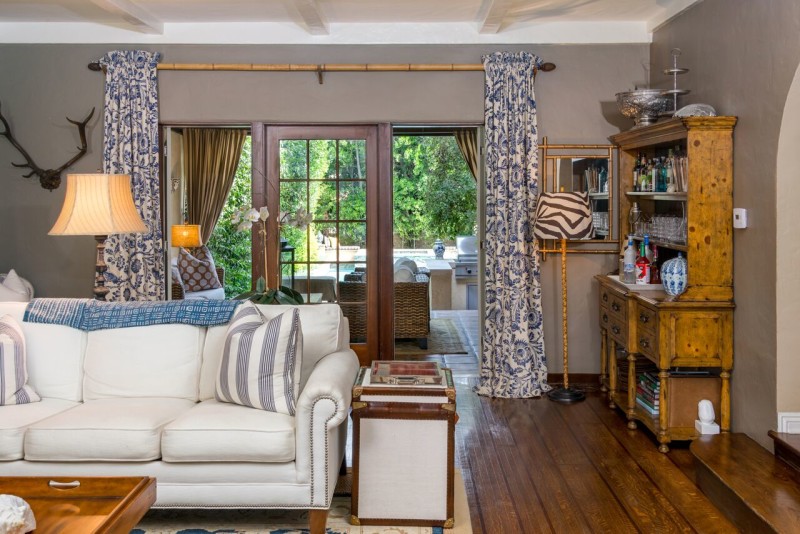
49	178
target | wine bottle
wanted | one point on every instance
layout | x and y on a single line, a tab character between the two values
655	271
628	273
642	267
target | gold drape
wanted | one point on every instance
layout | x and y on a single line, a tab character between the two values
211	156
467	141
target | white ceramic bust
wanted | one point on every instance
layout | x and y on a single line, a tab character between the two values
705	411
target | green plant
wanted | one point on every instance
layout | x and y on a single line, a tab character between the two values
263	295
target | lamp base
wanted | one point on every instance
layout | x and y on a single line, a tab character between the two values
100	290
566	395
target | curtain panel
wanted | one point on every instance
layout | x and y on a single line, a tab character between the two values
211	156
131	146
467	141
513	363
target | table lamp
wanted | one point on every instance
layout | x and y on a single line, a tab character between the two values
98	205
186	235
563	215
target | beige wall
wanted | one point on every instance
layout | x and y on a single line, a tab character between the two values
788	255
743	56
42	83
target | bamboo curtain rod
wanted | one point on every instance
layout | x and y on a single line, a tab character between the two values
327	67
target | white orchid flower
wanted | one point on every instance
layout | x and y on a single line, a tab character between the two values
263	213
251	215
236	218
244	226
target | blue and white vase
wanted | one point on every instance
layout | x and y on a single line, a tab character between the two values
673	275
438	249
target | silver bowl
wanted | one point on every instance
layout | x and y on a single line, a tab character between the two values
643	105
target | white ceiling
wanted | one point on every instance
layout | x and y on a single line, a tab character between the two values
334	21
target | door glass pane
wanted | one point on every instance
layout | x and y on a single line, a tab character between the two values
352	159
293	160
321	252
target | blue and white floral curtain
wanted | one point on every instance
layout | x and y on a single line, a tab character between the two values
135	261
513	364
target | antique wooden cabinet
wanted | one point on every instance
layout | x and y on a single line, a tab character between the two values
688	337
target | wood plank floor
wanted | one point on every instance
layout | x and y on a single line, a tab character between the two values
532	465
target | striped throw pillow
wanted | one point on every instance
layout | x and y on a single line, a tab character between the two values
14	388
260	365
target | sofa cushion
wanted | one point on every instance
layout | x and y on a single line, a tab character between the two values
325	331
197	269
122	430
15	420
208	294
55	356
403	273
14	388
145	361
260	365
223	432
13	289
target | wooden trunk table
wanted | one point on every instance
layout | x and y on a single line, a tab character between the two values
403	452
84	504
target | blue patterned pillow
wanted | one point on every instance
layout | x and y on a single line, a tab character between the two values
260	365
14	388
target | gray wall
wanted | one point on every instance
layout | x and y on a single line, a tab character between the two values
743	56
40	84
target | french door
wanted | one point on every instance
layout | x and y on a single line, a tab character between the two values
322	186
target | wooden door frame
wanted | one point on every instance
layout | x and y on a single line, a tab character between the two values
266	171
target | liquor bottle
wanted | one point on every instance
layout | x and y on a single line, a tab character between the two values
647	249
636	169
656	174
655	271
642	267
628	273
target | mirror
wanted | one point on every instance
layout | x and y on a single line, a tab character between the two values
583	168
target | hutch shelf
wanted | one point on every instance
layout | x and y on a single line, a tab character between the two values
687	340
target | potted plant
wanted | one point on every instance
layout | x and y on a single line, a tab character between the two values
246	219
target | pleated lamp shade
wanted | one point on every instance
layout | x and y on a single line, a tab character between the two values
186	235
98	204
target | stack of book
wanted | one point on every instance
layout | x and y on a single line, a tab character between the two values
642	365
647	392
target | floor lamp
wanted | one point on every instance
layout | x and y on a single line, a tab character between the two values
98	205
562	216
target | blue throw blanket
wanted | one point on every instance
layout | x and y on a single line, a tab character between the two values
88	315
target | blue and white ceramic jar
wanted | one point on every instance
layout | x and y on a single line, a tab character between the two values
438	249
673	275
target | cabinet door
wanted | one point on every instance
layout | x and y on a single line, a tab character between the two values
695	338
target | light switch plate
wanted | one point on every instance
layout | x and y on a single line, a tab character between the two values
739	218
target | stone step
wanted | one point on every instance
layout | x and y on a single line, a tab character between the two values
756	490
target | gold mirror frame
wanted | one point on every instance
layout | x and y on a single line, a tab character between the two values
550	160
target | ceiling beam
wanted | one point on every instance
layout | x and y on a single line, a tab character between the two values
133	14
492	14
311	18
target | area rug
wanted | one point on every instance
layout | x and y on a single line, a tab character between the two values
443	339
288	521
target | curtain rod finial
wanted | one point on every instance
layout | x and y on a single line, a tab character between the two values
547	67
95	66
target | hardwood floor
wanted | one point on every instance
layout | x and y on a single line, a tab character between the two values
532	465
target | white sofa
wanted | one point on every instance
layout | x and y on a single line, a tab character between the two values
140	401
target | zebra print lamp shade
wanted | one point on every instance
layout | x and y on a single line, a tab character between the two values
563	215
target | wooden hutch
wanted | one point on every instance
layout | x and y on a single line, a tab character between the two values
688	337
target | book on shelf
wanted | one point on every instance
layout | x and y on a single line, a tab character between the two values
649	395
649	409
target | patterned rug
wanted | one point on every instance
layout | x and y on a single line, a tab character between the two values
443	339
288	521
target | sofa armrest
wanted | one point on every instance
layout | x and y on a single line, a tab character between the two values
321	423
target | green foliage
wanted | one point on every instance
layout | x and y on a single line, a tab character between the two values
434	191
230	248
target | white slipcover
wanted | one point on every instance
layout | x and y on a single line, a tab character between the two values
16	419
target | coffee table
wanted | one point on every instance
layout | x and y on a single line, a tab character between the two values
84	504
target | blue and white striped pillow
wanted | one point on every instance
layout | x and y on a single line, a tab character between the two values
14	388
260	365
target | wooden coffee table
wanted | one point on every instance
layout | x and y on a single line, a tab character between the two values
84	504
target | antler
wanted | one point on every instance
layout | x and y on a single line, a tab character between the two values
49	178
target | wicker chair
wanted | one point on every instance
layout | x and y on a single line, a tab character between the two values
412	313
177	288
